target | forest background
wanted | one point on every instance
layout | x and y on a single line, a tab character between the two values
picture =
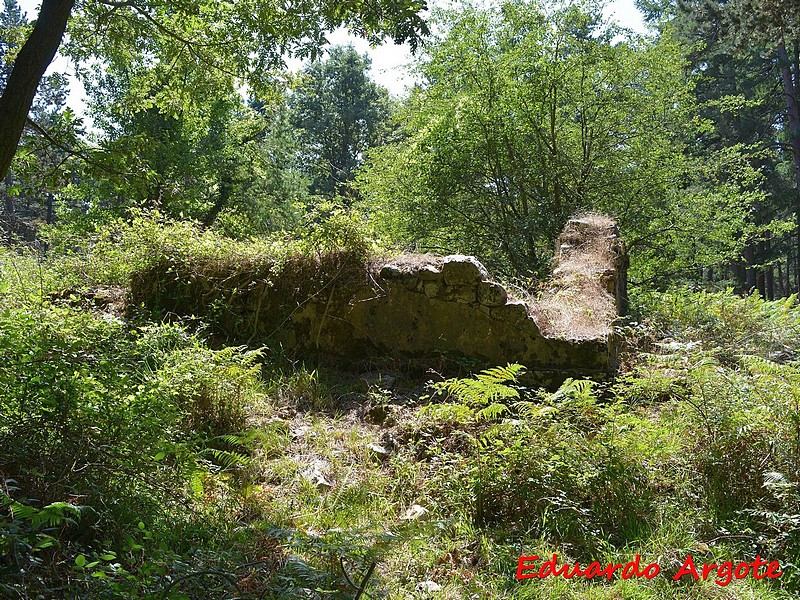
142	458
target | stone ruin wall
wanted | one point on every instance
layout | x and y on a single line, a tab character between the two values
417	306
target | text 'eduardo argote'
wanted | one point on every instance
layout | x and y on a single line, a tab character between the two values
723	573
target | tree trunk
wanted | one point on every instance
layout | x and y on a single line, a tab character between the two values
793	271
793	131
29	67
761	279
225	191
769	277
50	213
737	273
750	273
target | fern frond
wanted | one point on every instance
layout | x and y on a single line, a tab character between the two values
493	411
226	459
509	373
52	515
576	389
533	410
487	387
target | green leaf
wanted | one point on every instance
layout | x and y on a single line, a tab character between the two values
46	541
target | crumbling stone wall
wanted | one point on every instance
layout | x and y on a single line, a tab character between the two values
593	244
412	306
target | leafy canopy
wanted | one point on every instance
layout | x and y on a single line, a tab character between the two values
529	114
341	112
246	40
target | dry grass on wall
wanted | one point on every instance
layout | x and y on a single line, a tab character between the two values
576	303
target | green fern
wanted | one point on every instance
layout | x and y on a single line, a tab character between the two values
486	388
575	389
533	411
226	459
483	396
453	413
52	515
580	390
493	411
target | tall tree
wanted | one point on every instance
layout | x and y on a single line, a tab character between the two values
244	39
29	67
208	155
12	22
762	39
341	113
528	115
35	174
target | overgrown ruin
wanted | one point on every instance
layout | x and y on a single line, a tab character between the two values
417	306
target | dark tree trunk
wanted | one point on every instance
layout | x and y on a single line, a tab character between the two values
225	191
760	283
750	271
50	209
737	272
795	270
760	279
29	67
769	277
793	131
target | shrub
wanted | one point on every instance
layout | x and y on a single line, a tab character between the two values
721	371
114	250
212	388
102	429
730	324
566	466
111	251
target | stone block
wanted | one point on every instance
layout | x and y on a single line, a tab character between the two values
463	270
428	273
392	272
432	289
512	311
492	294
466	294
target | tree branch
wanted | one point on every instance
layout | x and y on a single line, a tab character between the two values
70	150
30	65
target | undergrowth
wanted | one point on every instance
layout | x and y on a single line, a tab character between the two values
111	439
137	462
110	252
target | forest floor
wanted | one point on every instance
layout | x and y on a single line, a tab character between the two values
138	461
